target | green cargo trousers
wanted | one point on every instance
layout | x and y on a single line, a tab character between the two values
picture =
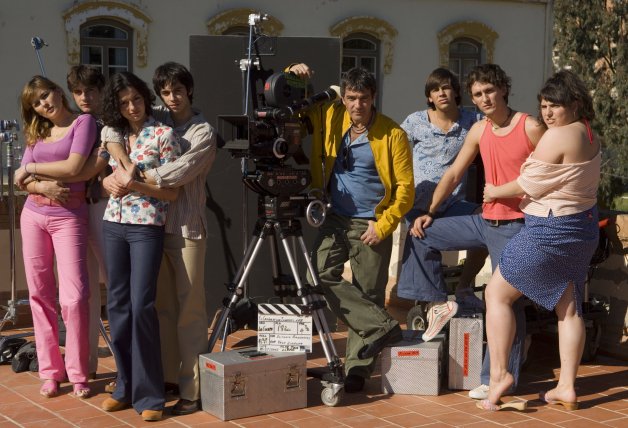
360	303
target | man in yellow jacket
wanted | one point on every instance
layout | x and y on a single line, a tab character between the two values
363	159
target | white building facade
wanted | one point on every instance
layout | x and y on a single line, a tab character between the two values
401	41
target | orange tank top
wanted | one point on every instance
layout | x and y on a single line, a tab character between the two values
502	157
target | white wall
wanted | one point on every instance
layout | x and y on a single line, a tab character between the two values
520	47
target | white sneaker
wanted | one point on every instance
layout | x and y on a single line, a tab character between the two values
438	316
479	393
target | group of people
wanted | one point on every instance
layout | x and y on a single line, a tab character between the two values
114	193
538	220
125	180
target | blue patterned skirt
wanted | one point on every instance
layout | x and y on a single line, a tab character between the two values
549	253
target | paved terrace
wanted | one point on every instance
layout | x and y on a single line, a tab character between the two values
602	388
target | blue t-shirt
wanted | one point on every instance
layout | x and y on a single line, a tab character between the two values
356	188
433	151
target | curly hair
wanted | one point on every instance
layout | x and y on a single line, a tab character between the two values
565	88
436	79
37	127
171	73
111	102
489	73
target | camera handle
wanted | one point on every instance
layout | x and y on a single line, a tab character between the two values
311	296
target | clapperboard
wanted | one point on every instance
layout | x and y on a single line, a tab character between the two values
283	328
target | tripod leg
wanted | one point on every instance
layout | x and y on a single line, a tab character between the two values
316	297
105	336
242	274
220	327
334	383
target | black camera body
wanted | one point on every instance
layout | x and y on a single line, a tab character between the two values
271	136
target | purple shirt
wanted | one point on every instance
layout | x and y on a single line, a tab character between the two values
79	139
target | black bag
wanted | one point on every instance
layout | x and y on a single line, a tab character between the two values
9	347
244	315
24	358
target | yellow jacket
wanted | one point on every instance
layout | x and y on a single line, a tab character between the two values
393	160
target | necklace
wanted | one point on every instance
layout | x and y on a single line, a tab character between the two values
495	126
358	130
361	129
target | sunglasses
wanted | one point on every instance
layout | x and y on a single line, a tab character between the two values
346	152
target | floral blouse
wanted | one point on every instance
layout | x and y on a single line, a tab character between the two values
155	145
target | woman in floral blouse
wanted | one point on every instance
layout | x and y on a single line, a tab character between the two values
133	228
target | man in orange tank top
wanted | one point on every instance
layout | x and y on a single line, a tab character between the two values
504	138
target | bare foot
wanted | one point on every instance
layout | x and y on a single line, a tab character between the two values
499	386
561	393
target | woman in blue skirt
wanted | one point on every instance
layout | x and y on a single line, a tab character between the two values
548	260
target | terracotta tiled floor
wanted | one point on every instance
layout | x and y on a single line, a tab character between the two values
602	388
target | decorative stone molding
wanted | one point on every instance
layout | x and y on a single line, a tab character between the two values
221	22
129	14
372	26
471	29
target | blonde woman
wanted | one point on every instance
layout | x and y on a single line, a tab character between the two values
59	143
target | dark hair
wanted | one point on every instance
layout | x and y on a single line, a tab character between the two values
171	73
439	77
489	73
358	79
111	104
85	75
37	127
564	88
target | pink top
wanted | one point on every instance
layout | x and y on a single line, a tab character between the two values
563	189
502	157
80	139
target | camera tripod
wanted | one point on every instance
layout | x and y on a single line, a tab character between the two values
311	296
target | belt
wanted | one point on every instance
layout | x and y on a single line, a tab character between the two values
497	223
74	201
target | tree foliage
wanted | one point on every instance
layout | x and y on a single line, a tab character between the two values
590	38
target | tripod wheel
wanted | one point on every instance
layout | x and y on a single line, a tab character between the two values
330	398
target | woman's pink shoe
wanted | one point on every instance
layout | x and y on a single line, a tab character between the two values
50	388
81	390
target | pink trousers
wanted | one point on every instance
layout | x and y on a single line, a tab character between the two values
43	238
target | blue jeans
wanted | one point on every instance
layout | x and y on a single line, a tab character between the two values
133	255
422	279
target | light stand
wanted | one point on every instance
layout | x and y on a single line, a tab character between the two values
38	43
8	137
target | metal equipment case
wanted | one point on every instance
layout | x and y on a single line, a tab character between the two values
466	333
244	382
413	366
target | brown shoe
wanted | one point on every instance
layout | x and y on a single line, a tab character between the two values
151	415
112	405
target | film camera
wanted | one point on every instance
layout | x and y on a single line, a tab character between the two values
272	136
